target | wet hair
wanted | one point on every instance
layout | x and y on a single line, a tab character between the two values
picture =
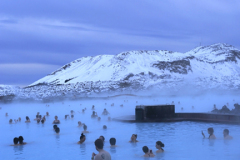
15	140
103	138
160	143
112	141
57	130
42	121
20	139
84	127
104	127
72	116
226	131
210	130
135	135
99	143
27	118
55	126
145	149
82	136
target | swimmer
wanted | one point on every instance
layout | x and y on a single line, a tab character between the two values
133	138
19	119
83	110
42	121
38	120
82	139
47	114
102	153
99	118
80	124
112	142
44	118
105	112
6	114
72	116
66	116
94	114
15	120
27	119
104	127
210	132
121	105
109	119
85	129
102	138
56	121
57	130
54	127
15	141
10	121
226	134
159	146
20	139
93	107
147	153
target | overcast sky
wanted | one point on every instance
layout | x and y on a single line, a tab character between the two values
37	37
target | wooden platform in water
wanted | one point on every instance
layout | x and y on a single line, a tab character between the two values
178	117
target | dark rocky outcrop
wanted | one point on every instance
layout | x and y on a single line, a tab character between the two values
180	66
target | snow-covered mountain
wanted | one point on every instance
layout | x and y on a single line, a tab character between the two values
206	67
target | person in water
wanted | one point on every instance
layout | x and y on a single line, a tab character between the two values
10	121
134	138
210	132
105	112
94	114
54	127
19	119
104	127
147	152
72	116
82	139
159	146
47	114
226	134
102	138
6	114
27	119
57	130
15	141
85	129
93	107
80	124
20	139
112	142
56	121
102	155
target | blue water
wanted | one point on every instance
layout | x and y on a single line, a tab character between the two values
183	140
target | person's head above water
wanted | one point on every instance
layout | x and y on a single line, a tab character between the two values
72	116
10	120
82	138
104	127
112	141
79	123
15	140
20	139
38	120
42	121
210	131
102	138
159	145
98	144
145	149
84	127
57	130
225	132
55	126
56	117
27	118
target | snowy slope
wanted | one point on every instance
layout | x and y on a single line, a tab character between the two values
218	60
